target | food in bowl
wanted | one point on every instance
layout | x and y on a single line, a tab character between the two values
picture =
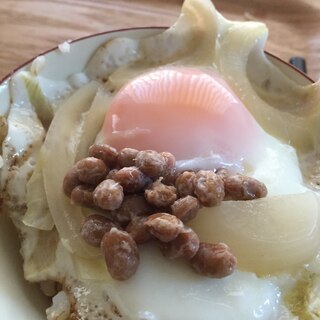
203	94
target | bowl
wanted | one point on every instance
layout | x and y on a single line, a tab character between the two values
18	298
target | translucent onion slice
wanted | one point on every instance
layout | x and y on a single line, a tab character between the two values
57	156
91	269
37	98
38	214
266	235
93	122
43	258
282	107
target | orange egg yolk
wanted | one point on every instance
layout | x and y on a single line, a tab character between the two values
186	111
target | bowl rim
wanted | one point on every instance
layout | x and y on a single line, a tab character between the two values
6	77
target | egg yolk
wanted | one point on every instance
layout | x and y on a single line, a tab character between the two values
186	111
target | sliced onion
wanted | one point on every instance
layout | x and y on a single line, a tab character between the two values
37	215
37	98
282	107
93	122
91	269
57	156
266	235
43	259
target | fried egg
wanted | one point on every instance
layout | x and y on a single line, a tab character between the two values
196	116
196	90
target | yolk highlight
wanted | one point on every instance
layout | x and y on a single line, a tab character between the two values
186	111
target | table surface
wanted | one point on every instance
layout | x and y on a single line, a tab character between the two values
28	27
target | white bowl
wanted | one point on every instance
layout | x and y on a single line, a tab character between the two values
20	300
